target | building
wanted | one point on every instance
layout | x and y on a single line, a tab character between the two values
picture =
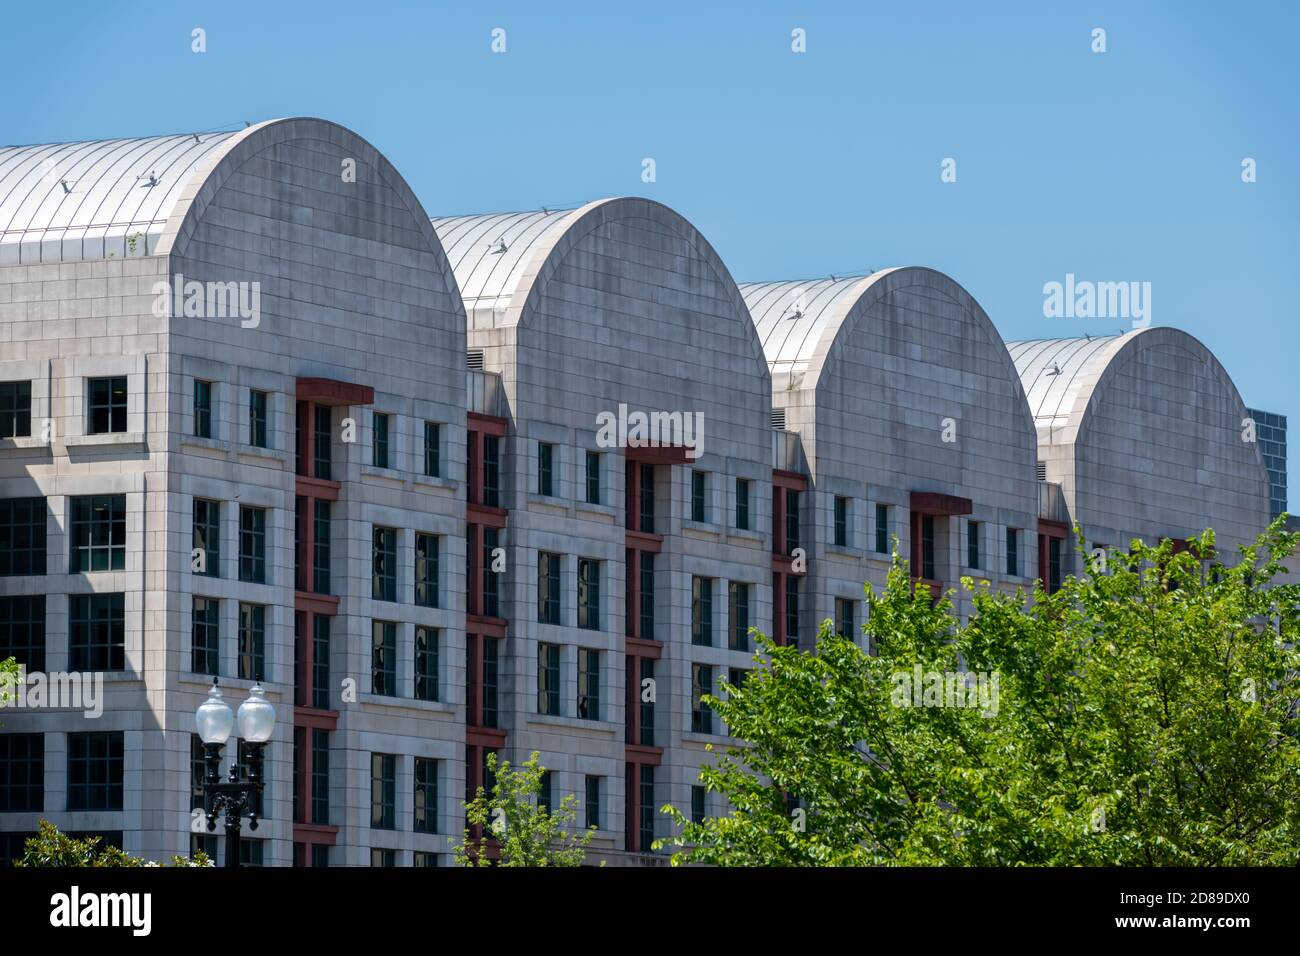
1270	432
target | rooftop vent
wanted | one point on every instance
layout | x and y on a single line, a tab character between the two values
1042	471
474	360
778	418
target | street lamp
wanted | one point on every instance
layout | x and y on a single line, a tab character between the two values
215	721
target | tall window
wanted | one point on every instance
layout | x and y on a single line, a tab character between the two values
844	619
383	791
792	609
252	544
491	589
973	544
15	409
205	635
593	478
589	594
647	523
491	669
383	658
107	405
701	713
1013	551
198	772
320	776
648	595
257	402
320	662
738	601
22	773
545	469
383	580
1053	565
742	504
792	498
648	808
548	588
206	538
98	533
647	706
252	642
593	803
588	684
546	791
699	496
95	764
202	409
323	443
426	570
432	449
548	679
379	448
702	611
320	564
927	547
492	471
882	529
22	536
697	805
426	795
97	632
22	630
841	522
427	640
382	858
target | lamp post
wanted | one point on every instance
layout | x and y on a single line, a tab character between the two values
215	721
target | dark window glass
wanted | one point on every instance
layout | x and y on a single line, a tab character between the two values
491	658
205	635
647	706
492	471
792	610
882	529
323	442
548	679
791	520
699	496
432	449
1013	551
841	522
426	570
95	768
251	852
927	547
320	777
380	449
647	523
22	536
421	858
22	773
97	632
592	806
1053	565
593	478
383	578
742	504
588	684
589	594
320	563
198	772
15	409
107	405
206	540
697	805
98	533
320	854
546	791
252	642
252	544
491	589
426	662
202	409
738	605
702	611
320	678
844	619
973	544
701	713
257	402
548	588
648	595
384	858
383	658
545	469
22	630
426	795
648	807
383	791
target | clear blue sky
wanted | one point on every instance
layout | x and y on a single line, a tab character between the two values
1116	166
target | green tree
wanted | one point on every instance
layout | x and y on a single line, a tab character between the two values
52	848
1145	715
8	680
513	822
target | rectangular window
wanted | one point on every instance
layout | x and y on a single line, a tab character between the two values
545	469
1053	565
973	545
841	522
738	601
697	805
98	533
320	854
252	642
588	594
320	563
320	662
432	449
1013	552
701	713
206	538
647	523
593	803
257	404
548	588
22	773
491	669
202	409
426	795
252	544
491	589
647	706
844	619
702	611
323	443
427	641
492	471
383	560
791	520
699	496
548	679
588	684
97	632
648	808
379	449
383	858
198	772
320	776
742	504
15	409
95	765
383	658
22	630
927	547
107	405
205	636
22	536
383	792
882	529
251	852
648	595
736	677
546	791
420	858
593	478
792	609
426	570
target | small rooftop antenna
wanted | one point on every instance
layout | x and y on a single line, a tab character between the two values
196	137
66	188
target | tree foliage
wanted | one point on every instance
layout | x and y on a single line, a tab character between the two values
1146	716
53	848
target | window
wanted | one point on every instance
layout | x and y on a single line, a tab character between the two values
107	405
97	628
492	471
545	469
701	713
22	536
22	773
426	795
257	403
379	449
1013	551
548	588
320	854
491	659
15	409
383	579
791	520
320	662
251	852
588	684
647	517
648	595
546	791
420	858
588	594
973	544
205	635
647	706
320	563
548	679
198	772
206	538
320	776
738	600
323	448
882	529
98	533
697	805
379	857
252	544
792	610
426	570
702	611
383	658
252	642
491	589
699	496
593	478
202	409
1053	565
432	449
383	792
742	504
22	630
927	547
841	522
427	641
844	618
648	808
736	676
95	771
593	803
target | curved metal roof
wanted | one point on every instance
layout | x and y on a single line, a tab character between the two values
74	201
1059	375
